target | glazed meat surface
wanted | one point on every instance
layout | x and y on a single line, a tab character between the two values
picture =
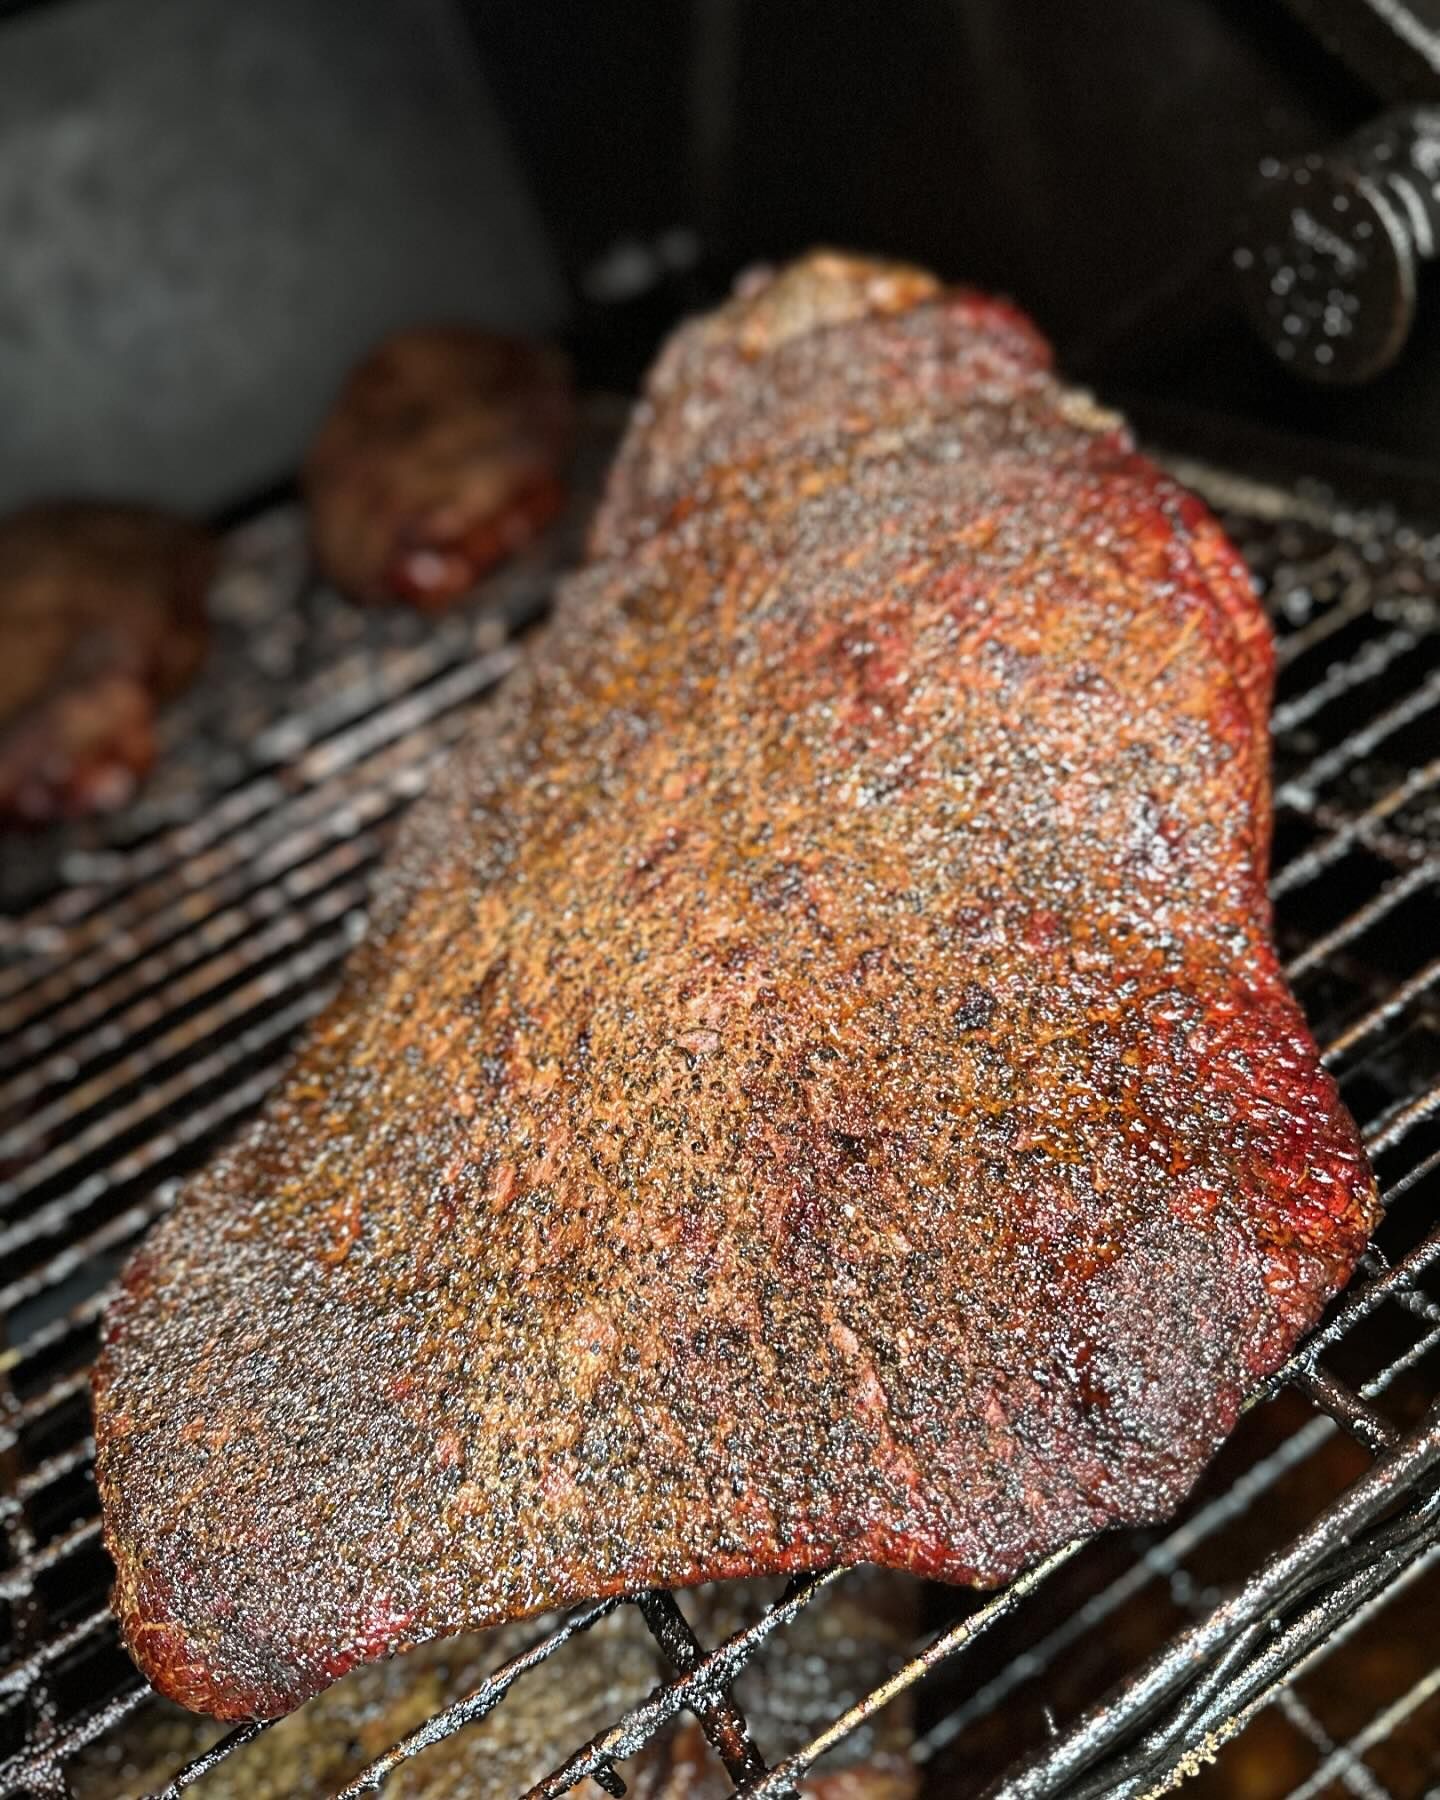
443	455
102	616
818	1087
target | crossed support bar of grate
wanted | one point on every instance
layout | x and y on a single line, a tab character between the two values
154	991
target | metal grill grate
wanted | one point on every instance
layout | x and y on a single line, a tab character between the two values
155	970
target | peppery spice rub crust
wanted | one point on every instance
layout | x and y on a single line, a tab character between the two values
818	1088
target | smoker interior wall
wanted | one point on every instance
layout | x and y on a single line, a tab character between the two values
1074	155
208	209
1090	160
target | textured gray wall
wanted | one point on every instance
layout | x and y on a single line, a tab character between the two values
209	207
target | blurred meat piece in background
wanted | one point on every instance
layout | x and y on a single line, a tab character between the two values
442	456
102	617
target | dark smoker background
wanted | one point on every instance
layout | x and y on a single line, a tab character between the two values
208	210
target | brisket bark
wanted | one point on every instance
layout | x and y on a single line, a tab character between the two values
818	1088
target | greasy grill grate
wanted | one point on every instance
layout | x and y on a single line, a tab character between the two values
155	970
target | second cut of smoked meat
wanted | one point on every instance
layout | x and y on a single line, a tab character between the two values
102	618
818	1088
444	454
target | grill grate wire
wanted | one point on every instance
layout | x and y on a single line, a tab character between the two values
154	970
